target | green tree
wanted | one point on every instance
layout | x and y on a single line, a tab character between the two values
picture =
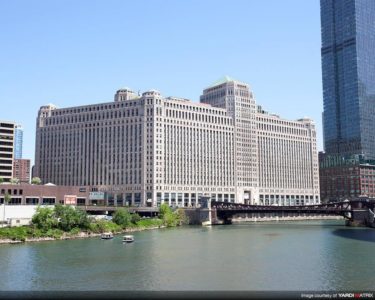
122	217
69	217
135	218
1	180
44	218
36	180
164	210
14	181
82	218
168	217
172	218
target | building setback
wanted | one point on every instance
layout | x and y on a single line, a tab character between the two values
6	150
151	148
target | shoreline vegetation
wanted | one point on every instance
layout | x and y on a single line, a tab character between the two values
67	222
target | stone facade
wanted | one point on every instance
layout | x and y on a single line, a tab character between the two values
150	149
288	161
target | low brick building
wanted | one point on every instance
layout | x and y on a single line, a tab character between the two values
345	177
50	194
30	194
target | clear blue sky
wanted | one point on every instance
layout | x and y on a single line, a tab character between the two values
77	52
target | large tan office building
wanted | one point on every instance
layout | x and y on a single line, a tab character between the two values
153	149
287	160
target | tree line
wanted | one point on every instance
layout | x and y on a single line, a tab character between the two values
66	220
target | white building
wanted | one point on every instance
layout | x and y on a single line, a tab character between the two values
155	148
288	161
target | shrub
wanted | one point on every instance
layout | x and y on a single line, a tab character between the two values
163	210
54	233
74	231
44	218
101	226
36	233
135	218
70	217
122	217
36	180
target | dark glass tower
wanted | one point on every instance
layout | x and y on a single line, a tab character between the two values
348	64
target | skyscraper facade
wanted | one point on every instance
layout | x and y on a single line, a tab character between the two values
6	150
348	65
18	141
149	148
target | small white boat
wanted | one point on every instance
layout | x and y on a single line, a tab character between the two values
107	236
128	238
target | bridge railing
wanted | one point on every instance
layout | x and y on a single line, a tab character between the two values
337	206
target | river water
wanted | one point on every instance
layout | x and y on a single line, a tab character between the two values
284	256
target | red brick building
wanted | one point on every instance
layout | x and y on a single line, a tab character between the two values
30	194
21	170
345	178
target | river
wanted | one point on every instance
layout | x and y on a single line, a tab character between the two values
283	256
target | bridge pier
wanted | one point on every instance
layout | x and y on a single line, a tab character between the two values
361	218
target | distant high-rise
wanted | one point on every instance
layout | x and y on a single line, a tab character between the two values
6	150
18	141
348	65
21	170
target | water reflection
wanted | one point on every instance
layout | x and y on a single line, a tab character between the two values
359	234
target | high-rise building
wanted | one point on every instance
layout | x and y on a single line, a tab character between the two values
21	170
155	149
6	150
18	141
348	65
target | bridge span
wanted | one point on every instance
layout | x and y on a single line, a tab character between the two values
359	212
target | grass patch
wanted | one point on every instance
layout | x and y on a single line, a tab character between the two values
101	226
149	223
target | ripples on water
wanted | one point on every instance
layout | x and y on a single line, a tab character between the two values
300	255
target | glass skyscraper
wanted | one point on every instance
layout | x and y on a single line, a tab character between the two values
18	141
348	65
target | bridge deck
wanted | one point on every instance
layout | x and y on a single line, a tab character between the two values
338	208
